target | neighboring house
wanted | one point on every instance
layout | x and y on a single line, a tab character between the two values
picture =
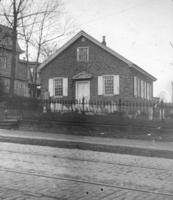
85	67
21	74
30	66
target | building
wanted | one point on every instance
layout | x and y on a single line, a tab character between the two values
22	71
30	66
85	67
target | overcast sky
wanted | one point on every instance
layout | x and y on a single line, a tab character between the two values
140	30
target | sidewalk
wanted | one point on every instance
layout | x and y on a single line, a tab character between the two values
123	146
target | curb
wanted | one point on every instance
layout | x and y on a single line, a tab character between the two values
91	146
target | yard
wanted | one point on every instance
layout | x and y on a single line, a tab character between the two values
111	125
116	124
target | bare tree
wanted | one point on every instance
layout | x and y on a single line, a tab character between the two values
51	43
13	21
38	24
12	10
26	35
16	13
51	26
44	33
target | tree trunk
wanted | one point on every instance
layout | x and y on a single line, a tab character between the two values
14	52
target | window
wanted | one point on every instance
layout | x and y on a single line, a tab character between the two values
142	89
137	87
82	54
108	84
58	86
3	62
145	90
148	91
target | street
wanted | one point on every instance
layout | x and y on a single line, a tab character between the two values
35	172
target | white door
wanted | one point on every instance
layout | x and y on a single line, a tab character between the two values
83	90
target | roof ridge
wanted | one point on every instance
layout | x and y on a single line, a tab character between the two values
106	48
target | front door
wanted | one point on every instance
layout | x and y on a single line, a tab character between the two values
82	90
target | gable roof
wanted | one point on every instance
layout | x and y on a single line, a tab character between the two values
109	50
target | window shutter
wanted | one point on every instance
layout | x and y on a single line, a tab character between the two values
100	85
116	84
135	86
150	92
141	88
77	54
138	87
145	90
65	86
51	87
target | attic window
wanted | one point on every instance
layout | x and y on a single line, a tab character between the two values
83	54
83	39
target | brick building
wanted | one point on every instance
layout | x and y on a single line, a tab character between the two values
85	67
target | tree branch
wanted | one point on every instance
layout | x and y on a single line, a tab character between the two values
48	40
32	14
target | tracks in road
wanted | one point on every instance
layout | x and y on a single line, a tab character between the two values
32	174
100	184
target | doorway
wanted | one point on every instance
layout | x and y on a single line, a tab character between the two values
83	90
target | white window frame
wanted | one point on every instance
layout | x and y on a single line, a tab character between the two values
51	86
104	89
142	89
135	85
138	87
57	78
116	85
78	53
150	92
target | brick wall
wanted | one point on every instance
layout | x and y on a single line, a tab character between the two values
100	63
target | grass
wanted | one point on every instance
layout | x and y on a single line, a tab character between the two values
113	126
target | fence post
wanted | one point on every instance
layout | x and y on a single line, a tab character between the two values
83	105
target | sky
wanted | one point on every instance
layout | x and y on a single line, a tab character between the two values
139	30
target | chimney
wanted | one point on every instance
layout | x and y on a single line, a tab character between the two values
104	40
